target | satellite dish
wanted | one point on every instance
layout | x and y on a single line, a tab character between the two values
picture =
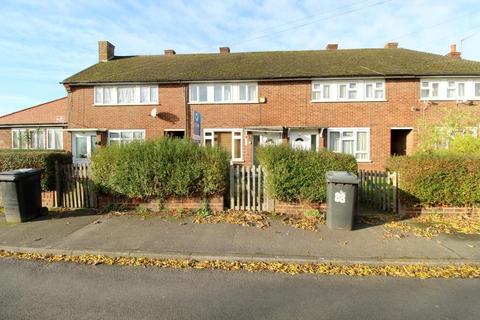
153	113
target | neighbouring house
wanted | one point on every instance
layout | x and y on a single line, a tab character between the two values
366	102
38	127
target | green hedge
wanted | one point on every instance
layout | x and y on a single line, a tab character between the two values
160	168
297	175
17	159
436	179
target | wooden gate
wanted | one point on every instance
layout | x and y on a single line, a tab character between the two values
379	190
74	188
248	189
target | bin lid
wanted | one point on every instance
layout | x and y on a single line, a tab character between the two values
14	175
341	177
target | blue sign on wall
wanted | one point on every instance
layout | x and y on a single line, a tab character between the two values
197	127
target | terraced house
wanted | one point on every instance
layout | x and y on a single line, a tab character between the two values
366	102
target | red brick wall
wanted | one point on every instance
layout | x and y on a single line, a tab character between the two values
214	203
297	208
416	211
287	104
5	138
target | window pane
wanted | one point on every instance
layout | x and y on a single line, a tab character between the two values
316	95
227	93
114	135
347	146
144	94
15	139
127	135
347	134
51	139
237	148
313	144
217	93
362	141
425	84
98	95
58	139
193	93
369	91
477	89
154	94
379	85
107	95
93	143
424	93
334	141
352	94
252	92
242	92
342	93
125	95
326	91
378	94
316	86
81	147
450	93
461	89
33	139
203	93
435	89
41	139
352	85
138	135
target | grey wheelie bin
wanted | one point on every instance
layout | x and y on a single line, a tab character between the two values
21	193
342	190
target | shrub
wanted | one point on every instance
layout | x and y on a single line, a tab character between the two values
17	159
297	175
160	169
439	178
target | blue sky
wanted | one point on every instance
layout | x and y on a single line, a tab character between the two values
42	41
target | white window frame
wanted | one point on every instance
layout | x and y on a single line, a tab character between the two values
237	134
137	95
357	87
355	131
43	137
194	92
448	84
120	131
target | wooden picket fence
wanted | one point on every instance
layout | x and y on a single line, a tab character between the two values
379	190
248	189
74	188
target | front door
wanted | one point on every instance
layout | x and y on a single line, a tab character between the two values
265	139
83	145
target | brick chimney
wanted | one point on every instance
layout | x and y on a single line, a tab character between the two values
224	50
332	46
106	51
454	53
169	52
391	45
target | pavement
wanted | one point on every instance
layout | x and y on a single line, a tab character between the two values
83	231
35	290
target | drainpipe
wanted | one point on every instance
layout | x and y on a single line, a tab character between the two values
187	111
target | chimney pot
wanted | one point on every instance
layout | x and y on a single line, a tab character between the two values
106	51
391	45
169	52
332	46
224	50
453	52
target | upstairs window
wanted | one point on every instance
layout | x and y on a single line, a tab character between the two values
357	90
126	95
449	89
223	93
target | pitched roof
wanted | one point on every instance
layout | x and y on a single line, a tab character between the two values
275	65
52	112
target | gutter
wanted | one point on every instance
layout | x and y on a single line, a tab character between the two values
30	125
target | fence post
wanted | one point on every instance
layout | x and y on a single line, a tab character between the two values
395	191
58	187
232	191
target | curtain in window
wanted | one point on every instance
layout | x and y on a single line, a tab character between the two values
144	94
153	94
203	93
58	139
41	139
107	95
217	93
99	95
334	143
242	92
126	95
51	139
252	92
15	139
361	145
347	146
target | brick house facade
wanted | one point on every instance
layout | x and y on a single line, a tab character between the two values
269	97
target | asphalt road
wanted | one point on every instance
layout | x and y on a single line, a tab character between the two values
37	290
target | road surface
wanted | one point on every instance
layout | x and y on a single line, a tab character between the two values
38	290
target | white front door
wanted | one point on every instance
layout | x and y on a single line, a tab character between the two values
301	141
83	145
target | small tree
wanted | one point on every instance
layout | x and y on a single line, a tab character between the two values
455	130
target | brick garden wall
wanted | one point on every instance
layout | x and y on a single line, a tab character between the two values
449	211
